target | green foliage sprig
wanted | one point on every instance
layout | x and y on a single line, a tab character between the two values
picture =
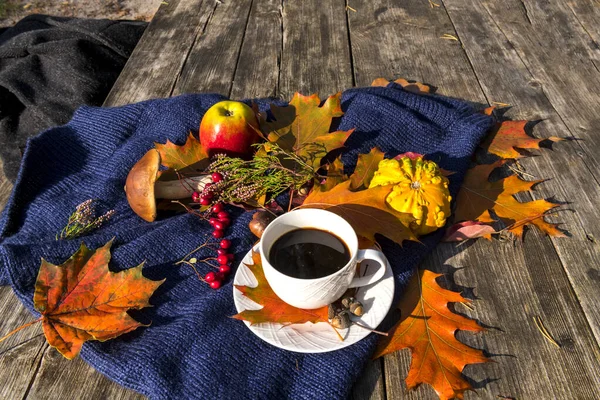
267	174
83	221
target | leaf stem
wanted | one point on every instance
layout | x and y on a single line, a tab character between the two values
19	328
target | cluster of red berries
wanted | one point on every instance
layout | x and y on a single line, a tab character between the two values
206	197
219	220
215	279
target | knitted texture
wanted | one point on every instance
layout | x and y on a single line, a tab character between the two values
192	348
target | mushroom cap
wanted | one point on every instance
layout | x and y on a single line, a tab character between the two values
139	186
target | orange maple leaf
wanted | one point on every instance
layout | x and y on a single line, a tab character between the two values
478	195
180	157
82	300
427	327
508	135
415	87
366	210
303	127
274	309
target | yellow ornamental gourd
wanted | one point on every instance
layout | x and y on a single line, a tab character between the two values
419	189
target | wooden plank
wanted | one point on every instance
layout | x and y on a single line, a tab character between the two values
485	45
444	57
213	59
257	73
588	15
5	188
541	33
59	378
370	385
21	353
393	41
156	61
515	283
315	55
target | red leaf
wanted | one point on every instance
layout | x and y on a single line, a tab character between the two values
468	230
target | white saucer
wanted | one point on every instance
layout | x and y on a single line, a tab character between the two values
319	337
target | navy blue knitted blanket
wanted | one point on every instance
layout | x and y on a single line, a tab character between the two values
193	349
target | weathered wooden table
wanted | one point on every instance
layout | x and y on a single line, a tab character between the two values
541	56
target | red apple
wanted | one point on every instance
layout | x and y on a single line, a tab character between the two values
229	127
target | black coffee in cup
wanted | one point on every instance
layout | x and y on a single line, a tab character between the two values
309	253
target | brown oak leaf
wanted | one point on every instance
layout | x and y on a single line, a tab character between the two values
274	309
366	210
478	195
428	327
509	135
415	87
82	300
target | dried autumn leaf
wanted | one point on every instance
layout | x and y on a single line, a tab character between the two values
274	309
415	87
508	135
478	195
82	300
180	157
335	175
468	230
428	329
366	210
488	110
366	166
303	127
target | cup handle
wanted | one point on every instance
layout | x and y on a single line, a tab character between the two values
369	254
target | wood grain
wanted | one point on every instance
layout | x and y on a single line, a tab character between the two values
213	59
315	55
59	378
155	63
484	43
257	73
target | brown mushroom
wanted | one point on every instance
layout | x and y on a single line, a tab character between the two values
142	188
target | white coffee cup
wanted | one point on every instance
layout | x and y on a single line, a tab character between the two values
319	292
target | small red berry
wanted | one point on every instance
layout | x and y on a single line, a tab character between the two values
222	214
216	177
215	284
220	276
225	244
195	197
213	221
230	257
222	259
225	269
210	277
221	252
204	201
225	221
207	195
219	225
217	208
217	234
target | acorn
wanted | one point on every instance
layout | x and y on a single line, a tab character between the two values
341	321
346	301
356	308
259	222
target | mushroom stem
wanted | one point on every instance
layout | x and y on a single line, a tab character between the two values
181	188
